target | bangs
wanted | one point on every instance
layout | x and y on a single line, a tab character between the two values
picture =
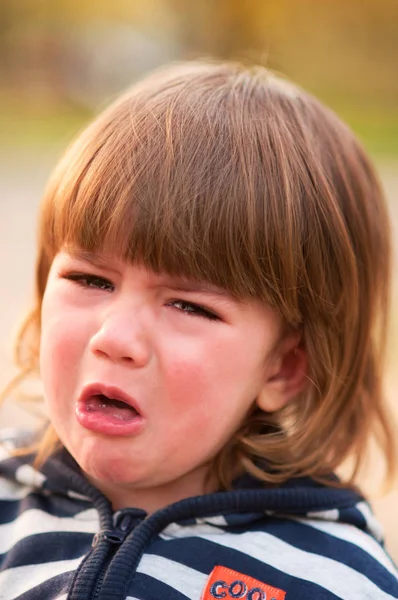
191	179
173	208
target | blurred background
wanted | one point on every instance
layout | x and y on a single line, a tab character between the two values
62	62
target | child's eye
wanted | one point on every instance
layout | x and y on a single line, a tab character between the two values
90	281
191	308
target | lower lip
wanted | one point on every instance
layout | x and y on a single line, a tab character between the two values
106	424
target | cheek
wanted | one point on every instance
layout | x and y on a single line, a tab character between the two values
63	341
211	378
59	344
210	389
230	359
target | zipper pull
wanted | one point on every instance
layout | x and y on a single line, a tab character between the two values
124	522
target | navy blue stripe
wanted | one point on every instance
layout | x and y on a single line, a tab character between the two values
46	548
10	510
204	555
309	539
57	506
353	516
317	542
49	589
246	506
147	587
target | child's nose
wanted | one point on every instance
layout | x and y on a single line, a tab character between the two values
122	338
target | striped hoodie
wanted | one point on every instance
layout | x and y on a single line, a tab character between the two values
60	540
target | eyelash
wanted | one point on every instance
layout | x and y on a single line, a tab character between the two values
194	310
90	281
94	281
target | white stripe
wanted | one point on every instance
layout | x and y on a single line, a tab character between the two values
350	533
77	496
18	580
63	597
218	520
90	514
183	579
328	573
372	523
35	521
10	490
327	515
13	490
177	531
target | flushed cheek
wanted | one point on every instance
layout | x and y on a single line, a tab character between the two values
204	400
59	346
62	349
212	371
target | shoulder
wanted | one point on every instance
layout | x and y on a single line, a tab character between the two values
304	557
351	559
339	557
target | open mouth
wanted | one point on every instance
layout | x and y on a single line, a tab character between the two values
109	410
111	407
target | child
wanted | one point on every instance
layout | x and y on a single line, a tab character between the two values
212	285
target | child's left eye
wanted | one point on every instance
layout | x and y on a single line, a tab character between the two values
193	309
87	280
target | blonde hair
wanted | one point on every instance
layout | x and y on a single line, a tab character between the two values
232	175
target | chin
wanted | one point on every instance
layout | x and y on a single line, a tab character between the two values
108	466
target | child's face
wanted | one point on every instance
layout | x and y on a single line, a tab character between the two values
190	358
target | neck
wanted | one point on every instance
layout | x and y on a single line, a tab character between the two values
156	497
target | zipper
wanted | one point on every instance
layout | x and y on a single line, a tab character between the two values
124	522
100	579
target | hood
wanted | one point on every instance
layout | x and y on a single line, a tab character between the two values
248	502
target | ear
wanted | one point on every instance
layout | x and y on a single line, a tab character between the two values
286	375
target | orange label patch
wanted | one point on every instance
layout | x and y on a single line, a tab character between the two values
227	584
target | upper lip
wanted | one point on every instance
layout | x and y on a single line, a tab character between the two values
111	391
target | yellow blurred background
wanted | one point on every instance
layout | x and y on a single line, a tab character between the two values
61	62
